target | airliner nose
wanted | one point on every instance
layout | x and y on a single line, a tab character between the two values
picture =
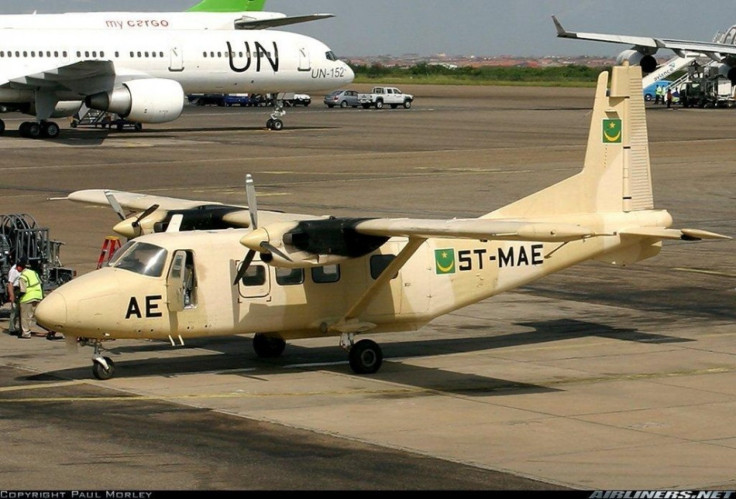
349	74
51	312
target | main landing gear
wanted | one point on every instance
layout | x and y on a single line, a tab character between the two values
365	356
36	130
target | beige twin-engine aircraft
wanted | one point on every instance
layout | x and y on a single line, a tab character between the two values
194	269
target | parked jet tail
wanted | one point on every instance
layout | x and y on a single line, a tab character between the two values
616	175
228	6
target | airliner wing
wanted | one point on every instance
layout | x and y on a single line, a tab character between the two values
84	78
250	23
710	49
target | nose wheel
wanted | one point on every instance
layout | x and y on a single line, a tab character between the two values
274	122
103	368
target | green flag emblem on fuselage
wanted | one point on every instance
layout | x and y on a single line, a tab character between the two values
444	261
612	131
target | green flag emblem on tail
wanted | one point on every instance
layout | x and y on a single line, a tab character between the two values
612	131
444	261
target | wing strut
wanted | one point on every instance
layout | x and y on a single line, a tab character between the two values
349	322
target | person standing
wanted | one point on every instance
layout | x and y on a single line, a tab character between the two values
658	95
14	296
669	98
32	294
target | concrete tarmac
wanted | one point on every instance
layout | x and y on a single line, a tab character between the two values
594	378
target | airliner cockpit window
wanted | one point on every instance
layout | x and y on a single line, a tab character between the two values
141	258
331	56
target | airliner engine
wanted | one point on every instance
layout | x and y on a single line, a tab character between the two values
728	71
145	101
647	61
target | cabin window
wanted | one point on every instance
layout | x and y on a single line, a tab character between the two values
289	277
379	263
255	276
117	54
326	274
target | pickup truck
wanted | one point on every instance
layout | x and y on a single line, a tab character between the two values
385	96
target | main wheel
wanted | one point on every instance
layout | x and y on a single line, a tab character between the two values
365	357
268	346
50	130
99	371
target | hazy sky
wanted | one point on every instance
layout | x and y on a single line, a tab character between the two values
469	27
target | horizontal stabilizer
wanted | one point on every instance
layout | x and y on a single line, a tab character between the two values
251	23
662	233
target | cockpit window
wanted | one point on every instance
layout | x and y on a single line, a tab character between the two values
331	56
141	258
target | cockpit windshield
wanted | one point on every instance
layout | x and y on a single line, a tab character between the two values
330	56
141	258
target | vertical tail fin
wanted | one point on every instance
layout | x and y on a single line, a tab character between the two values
228	6
616	174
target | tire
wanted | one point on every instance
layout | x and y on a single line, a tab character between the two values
407	104
268	347
365	357
277	125
34	130
379	104
100	372
344	104
51	130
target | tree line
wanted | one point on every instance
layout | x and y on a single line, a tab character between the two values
437	73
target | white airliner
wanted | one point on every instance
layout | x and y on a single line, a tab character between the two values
208	14
144	75
721	51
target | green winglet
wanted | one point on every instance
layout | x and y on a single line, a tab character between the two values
228	6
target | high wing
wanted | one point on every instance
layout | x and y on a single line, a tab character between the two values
253	23
159	212
511	230
715	51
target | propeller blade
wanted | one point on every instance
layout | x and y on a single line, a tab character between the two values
250	195
115	205
143	215
244	266
273	249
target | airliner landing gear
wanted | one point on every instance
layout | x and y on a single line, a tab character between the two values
103	368
274	122
365	356
34	130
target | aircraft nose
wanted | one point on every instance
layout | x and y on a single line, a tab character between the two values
349	74
51	312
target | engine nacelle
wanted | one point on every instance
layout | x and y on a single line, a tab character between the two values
728	71
647	62
311	243
144	101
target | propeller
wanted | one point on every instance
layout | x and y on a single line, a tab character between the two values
115	205
143	215
264	245
134	224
